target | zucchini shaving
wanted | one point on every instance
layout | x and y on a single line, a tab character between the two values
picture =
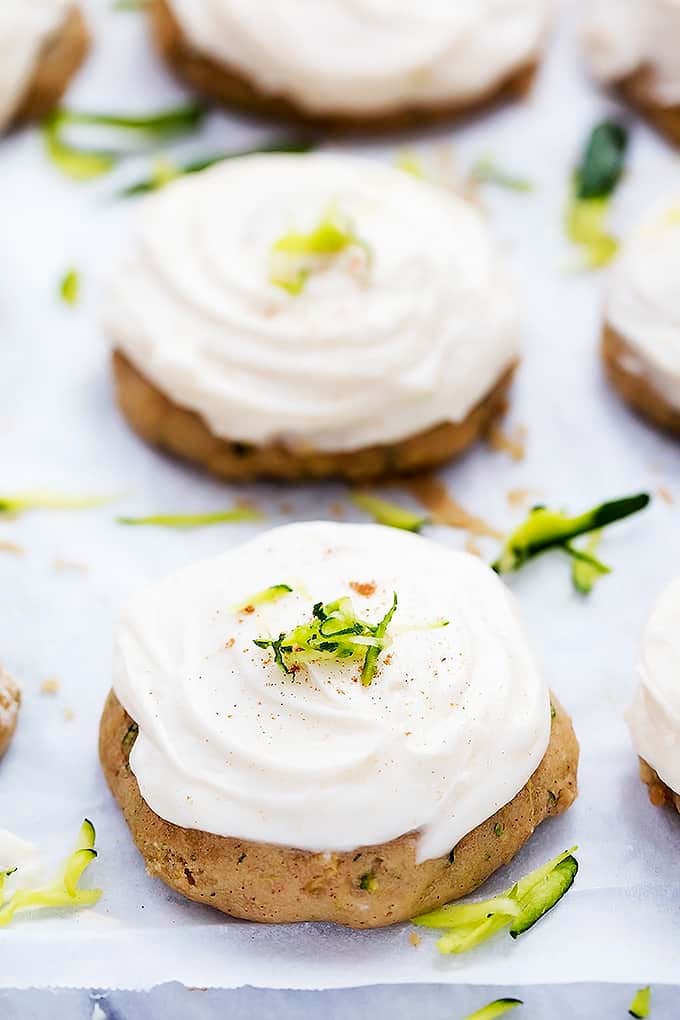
486	171
272	594
495	1009
193	520
64	890
586	568
334	634
641	1004
390	514
86	164
195	166
12	506
69	288
468	925
410	164
594	184
295	256
549	529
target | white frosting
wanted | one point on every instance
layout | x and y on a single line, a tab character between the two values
417	340
654	716
25	26
624	36
644	301
455	722
368	56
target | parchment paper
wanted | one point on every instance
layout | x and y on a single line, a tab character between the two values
59	429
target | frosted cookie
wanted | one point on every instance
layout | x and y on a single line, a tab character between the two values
378	63
10	701
311	316
42	44
632	45
641	339
332	722
654	716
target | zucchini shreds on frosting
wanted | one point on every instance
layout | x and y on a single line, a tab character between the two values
593	186
260	598
295	255
232	516
467	925
549	529
334	634
64	891
390	514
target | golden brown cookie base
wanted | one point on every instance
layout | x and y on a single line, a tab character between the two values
10	701
232	89
659	793
635	90
635	388
60	59
260	882
184	433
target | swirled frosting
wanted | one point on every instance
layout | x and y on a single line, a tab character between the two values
452	727
25	27
358	357
643	304
622	37
358	57
654	716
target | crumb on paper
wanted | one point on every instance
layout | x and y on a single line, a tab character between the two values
338	510
414	939
365	588
285	507
246	503
472	547
443	509
666	495
230	643
518	497
12	548
514	443
50	686
69	714
64	565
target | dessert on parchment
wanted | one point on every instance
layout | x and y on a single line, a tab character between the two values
332	722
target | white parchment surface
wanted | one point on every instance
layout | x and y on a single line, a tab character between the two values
59	429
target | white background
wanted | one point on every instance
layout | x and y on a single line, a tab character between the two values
59	429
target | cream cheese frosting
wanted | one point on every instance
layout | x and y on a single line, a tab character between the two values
643	305
654	716
357	57
416	339
622	37
454	724
25	27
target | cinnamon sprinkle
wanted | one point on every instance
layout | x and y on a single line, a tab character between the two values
365	588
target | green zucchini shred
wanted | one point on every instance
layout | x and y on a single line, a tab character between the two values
586	568
487	171
642	1003
12	506
64	891
334	634
260	598
188	521
499	1007
594	184
295	255
390	514
468	925
549	529
69	287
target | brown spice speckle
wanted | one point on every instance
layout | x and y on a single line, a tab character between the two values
365	588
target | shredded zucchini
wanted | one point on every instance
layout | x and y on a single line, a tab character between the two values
64	891
641	1004
272	594
549	529
390	514
486	171
586	568
187	521
593	186
12	506
468	925
334	634
495	1009
69	288
296	255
